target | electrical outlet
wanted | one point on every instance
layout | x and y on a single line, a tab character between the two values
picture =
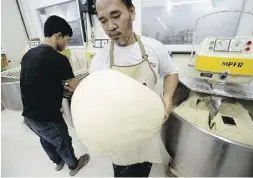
104	42
100	43
97	43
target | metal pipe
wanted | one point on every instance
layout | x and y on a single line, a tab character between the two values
22	20
240	17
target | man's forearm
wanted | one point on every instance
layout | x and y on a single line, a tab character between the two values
170	85
72	83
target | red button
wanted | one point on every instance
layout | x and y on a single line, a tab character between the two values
249	43
247	49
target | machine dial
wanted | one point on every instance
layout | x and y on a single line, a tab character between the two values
236	45
222	45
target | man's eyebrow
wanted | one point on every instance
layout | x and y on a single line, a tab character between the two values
100	18
114	12
111	13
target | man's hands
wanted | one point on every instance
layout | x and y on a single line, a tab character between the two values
67	88
72	83
167	108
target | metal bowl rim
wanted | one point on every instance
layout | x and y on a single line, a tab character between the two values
9	83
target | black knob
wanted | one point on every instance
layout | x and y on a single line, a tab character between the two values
223	76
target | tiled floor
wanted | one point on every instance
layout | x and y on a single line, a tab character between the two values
23	156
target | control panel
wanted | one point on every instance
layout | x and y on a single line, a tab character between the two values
226	56
227	46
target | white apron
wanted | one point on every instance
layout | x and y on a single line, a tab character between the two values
144	73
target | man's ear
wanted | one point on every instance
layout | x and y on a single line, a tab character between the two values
58	35
132	11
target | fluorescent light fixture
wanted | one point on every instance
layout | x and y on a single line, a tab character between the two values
158	18
190	2
169	7
170	4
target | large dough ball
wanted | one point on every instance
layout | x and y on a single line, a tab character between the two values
113	113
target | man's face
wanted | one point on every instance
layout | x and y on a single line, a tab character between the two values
116	19
62	42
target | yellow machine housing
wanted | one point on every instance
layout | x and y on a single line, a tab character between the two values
226	59
4	62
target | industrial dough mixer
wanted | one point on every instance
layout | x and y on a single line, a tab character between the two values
210	132
11	96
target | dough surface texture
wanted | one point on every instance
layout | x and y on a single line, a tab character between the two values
115	115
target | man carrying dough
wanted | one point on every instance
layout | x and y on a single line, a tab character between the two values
144	59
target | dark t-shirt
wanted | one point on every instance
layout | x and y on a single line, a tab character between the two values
43	71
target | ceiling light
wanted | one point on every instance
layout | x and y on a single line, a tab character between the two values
169	7
158	18
190	2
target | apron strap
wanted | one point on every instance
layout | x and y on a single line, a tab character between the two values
112	54
143	52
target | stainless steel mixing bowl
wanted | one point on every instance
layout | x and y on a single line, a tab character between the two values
203	154
10	94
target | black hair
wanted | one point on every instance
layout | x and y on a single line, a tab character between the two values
55	24
128	3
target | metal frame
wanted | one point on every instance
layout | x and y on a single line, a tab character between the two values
83	31
186	51
196	26
22	19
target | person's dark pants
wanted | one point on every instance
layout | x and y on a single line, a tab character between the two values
134	170
55	140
